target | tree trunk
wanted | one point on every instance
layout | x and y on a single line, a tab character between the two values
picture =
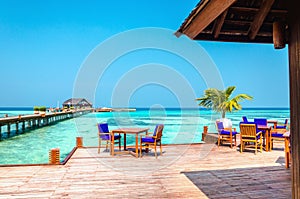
223	114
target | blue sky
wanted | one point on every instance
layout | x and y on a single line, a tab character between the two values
44	45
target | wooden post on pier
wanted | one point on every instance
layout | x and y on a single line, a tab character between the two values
205	129
8	128
23	126
54	156
79	142
17	127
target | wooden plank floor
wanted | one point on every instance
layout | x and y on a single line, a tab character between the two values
184	171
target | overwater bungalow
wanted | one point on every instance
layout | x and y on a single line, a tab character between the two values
77	103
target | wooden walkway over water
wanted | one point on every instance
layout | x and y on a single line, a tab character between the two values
23	122
195	171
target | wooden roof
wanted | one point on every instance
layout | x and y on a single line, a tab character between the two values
235	20
76	101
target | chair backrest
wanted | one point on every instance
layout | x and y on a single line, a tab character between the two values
286	122
260	121
248	129
103	128
245	119
219	125
158	131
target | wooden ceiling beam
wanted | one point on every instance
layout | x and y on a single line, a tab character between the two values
208	14
219	23
248	9
243	23
237	32
259	18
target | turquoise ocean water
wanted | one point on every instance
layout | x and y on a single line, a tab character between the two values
181	126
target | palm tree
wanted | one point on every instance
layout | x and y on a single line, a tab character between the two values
220	101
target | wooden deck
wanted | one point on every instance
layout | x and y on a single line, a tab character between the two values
184	171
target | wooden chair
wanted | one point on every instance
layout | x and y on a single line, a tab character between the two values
277	135
147	141
249	134
104	135
282	126
226	134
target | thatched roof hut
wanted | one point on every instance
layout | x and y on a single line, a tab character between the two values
77	103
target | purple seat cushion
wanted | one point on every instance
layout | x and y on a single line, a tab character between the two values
280	127
151	140
223	132
278	135
106	137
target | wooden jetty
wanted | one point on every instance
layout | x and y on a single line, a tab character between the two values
38	120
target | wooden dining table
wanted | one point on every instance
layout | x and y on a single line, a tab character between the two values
135	131
274	122
267	135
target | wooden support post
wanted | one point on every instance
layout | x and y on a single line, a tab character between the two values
23	125
54	156
17	127
79	143
8	128
294	71
205	129
279	34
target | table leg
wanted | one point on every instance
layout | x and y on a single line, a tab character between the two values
287	152
112	147
125	142
136	146
267	140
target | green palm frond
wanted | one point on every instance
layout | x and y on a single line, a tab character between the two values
220	101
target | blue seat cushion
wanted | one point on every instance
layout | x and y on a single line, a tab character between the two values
103	127
117	137
280	127
223	132
278	135
151	140
106	137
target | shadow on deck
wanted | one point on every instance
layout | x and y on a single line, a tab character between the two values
260	182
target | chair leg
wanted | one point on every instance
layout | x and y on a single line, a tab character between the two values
160	148
99	145
261	143
219	141
119	144
241	147
230	137
155	151
255	147
235	141
141	149
261	147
